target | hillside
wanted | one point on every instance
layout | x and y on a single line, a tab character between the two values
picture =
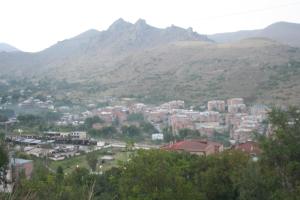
155	65
284	32
7	48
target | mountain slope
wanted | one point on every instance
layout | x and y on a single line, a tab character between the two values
162	64
7	48
284	32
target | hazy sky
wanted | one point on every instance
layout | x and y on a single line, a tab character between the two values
32	25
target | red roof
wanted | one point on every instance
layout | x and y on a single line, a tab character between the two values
191	146
249	147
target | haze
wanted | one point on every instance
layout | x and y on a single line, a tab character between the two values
33	25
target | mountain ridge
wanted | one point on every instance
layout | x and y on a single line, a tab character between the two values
163	64
284	32
4	47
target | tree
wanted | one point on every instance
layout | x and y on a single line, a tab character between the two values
253	184
147	127
157	175
135	117
92	160
59	174
281	152
92	120
3	118
168	135
3	163
131	131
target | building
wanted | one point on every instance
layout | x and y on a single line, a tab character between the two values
198	147
72	135
138	108
235	101
179	121
249	147
237	108
19	166
209	116
157	116
216	105
157	136
208	128
173	105
242	134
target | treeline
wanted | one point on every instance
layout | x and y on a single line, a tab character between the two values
136	129
162	175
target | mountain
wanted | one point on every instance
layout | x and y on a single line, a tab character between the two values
7	48
95	47
284	32
156	65
122	37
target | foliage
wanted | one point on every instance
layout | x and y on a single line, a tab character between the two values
163	175
157	175
105	132
3	163
3	118
92	160
7	113
135	117
29	120
281	152
148	128
92	120
131	131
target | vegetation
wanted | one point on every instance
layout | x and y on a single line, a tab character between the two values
135	117
105	132
163	175
92	120
92	160
3	160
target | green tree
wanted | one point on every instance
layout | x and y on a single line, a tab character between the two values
131	131
3	163
92	120
281	152
92	160
135	117
59	174
157	175
253	184
148	128
3	118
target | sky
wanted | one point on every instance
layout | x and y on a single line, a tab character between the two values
33	25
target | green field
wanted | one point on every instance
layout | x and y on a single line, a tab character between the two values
70	164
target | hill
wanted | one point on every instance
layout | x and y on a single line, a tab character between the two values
7	48
284	32
156	65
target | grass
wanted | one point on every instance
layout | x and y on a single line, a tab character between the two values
70	164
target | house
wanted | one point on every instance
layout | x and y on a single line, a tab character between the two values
178	122
157	136
237	108
18	166
208	128
198	147
177	104
235	101
209	116
242	134
249	147
216	105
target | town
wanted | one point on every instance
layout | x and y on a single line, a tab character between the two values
170	126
